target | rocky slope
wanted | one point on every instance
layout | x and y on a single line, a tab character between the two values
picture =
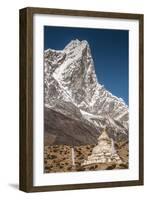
77	106
57	158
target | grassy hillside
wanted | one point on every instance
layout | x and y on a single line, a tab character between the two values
58	158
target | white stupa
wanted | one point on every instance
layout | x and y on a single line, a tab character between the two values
103	152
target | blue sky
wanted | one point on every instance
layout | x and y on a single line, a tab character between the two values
109	50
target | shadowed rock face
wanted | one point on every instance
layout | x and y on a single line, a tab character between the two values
60	129
77	106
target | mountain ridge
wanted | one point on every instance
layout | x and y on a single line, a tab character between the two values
72	89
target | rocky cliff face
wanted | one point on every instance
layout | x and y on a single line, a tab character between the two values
76	103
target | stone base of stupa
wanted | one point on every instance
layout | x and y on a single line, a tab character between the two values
102	158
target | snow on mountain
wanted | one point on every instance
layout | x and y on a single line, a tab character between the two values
72	89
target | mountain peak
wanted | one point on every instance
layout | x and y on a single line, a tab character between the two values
72	88
75	43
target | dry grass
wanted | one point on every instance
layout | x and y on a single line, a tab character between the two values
57	158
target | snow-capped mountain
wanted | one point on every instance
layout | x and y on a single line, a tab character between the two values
72	91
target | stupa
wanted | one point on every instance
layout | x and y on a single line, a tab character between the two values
103	152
